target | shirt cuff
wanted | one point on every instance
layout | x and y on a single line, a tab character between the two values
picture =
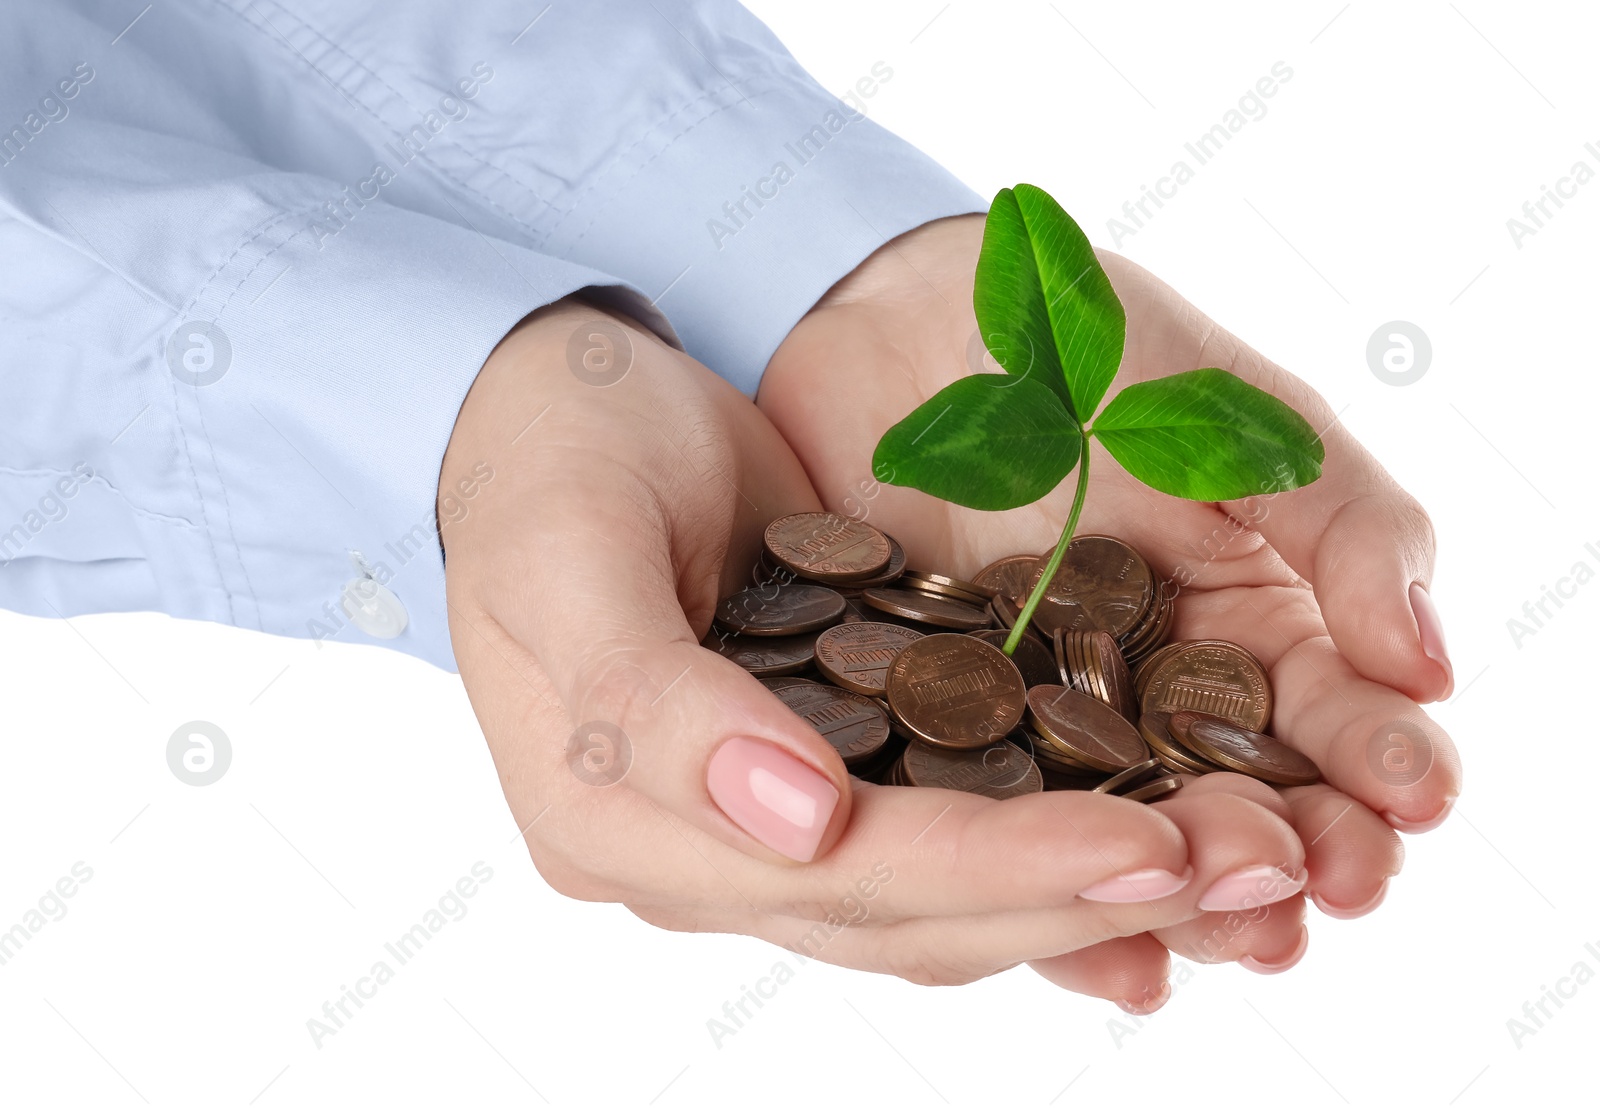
324	377
754	212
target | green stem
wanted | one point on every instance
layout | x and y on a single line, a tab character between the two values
1056	556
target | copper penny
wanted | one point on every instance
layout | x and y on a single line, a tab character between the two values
1032	657
1101	585
916	605
1211	676
1115	680
890	573
1156	730
1158	788
999	770
827	547
1248	752
944	586
764	656
775	684
1092	732
955	691
857	656
1129	777
855	726
1010	577
1006	611
780	609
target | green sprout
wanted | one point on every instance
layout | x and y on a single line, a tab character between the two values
1048	314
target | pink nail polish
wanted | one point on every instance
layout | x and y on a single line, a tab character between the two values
774	796
1149	1003
1430	631
1350	912
1256	885
1415	826
1138	885
1278	966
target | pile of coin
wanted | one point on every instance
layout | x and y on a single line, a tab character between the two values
902	669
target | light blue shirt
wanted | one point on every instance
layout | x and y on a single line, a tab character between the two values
254	252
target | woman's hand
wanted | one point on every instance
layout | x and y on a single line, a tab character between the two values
1327	585
645	769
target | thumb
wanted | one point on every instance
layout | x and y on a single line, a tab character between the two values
654	711
1367	549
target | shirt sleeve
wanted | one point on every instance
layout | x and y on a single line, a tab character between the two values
744	194
247	282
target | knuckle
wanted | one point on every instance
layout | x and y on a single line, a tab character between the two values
915	963
615	686
571	881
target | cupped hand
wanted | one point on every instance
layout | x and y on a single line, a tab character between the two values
630	489
1326	584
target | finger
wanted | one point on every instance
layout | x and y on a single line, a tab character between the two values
1354	534
1128	970
915	853
1132	971
708	742
1351	852
1370	741
1365	545
1265	939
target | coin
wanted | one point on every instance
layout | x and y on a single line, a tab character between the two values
780	609
1248	752
891	571
776	684
955	691
855	726
1031	657
1006	611
940	611
946	587
1089	731
764	656
1115	679
1055	779
1155	729
827	547
999	770
1102	584
1158	788
1010	577
1211	676
1131	776
857	656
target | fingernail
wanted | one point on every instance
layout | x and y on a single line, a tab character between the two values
1350	912
772	795
1139	885
1278	966
1415	826
1256	885
1431	632
1149	1003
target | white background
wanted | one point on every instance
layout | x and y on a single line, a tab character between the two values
1377	187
